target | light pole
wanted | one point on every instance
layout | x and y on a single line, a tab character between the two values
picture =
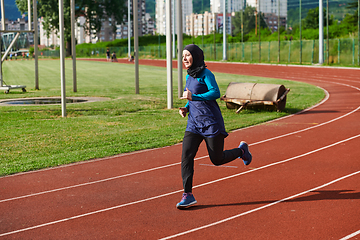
321	32
224	31
168	55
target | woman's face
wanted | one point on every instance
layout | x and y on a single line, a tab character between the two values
187	59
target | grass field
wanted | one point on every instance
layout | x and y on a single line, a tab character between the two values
35	137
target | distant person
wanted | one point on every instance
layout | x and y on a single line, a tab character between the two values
15	56
205	122
10	56
131	58
108	55
113	57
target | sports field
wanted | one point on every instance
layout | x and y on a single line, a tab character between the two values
36	137
303	183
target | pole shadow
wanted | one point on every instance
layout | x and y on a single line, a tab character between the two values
315	196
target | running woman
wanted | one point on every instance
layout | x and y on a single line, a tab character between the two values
205	122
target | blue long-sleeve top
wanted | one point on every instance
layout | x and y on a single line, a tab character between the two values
206	77
204	113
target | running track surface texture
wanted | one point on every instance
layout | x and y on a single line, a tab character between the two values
303	183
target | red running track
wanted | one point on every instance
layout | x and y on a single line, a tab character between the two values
303	183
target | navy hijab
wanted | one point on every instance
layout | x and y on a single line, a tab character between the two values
198	60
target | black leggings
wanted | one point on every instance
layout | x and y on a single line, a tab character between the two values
215	147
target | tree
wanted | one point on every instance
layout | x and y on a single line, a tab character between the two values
311	20
352	19
94	11
248	20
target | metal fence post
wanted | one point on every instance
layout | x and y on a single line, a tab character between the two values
289	51
338	50
243	53
353	52
300	33
251	53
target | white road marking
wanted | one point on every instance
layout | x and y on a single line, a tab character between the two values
197	186
174	164
351	235
260	208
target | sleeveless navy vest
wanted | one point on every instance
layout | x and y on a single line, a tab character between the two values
204	116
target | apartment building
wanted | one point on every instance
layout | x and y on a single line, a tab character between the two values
271	20
146	23
216	6
270	9
24	40
200	24
204	24
160	14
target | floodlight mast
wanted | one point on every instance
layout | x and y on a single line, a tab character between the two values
2	28
35	43
224	31
136	44
73	47
129	31
180	46
29	15
62	57
321	32
168	55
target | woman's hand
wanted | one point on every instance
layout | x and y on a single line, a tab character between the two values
187	95
183	111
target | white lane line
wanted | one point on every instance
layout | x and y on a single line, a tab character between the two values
306	129
351	235
212	165
153	149
171	193
88	183
174	164
86	162
142	171
260	208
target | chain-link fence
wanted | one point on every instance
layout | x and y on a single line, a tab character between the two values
340	52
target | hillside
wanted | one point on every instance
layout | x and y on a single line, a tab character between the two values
308	4
337	9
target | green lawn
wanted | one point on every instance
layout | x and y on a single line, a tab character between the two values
35	137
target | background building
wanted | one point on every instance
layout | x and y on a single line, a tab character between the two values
271	20
270	10
200	24
270	6
216	6
144	22
23	41
160	15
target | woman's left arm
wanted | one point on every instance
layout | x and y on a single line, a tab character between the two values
213	89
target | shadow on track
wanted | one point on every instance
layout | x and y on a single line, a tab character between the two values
317	196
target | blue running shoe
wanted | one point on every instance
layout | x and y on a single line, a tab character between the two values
246	157
186	201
